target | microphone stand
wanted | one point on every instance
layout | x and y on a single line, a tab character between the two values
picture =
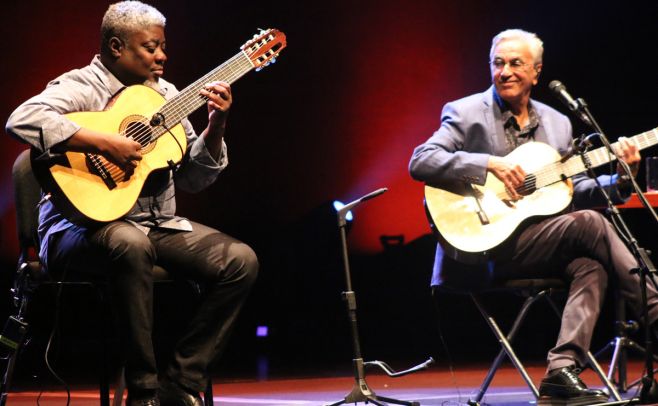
649	390
361	392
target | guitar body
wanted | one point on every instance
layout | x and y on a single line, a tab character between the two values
454	212
84	189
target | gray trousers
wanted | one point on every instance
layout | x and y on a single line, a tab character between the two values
582	248
226	267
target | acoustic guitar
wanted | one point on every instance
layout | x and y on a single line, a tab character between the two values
471	220
89	187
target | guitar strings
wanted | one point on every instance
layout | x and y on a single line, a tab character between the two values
184	101
554	172
187	98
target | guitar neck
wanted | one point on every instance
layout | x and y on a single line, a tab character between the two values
189	99
601	156
557	171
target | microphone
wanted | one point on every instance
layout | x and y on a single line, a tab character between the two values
563	95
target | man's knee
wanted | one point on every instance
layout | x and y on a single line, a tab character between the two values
588	272
244	264
589	220
585	228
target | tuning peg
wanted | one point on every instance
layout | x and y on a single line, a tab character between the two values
273	60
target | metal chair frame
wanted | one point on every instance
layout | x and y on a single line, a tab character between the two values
533	290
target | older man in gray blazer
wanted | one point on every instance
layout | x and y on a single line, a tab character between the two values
476	134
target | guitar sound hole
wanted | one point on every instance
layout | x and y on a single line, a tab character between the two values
139	129
139	132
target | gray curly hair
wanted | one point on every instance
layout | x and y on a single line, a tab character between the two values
124	17
530	38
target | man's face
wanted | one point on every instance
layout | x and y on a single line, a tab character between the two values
513	71
142	55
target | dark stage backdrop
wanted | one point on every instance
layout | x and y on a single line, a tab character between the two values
359	86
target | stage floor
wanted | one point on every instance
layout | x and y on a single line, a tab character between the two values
435	386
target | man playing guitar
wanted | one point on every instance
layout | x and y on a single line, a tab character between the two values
133	53
582	247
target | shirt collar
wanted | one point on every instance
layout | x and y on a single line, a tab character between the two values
113	84
110	81
508	118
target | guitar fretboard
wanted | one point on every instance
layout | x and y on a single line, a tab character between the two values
172	113
189	99
557	171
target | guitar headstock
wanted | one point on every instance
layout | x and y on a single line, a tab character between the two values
264	47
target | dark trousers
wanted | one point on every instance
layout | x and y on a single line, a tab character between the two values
226	268
583	248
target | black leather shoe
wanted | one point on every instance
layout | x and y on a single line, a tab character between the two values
150	399
172	394
563	386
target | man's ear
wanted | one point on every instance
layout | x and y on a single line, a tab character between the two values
538	71
115	46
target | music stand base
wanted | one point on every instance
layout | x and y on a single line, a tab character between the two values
618	346
362	393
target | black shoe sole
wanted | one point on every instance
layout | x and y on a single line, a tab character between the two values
575	401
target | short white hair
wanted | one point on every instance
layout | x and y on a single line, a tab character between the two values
536	45
125	17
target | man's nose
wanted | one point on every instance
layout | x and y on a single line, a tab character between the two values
506	71
160	56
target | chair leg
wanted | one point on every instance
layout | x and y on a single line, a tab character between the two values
106	317
104	380
6	380
599	371
505	343
13	338
120	388
208	399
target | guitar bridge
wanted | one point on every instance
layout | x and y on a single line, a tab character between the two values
481	214
96	166
477	195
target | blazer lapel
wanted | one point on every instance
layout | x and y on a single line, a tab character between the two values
542	133
495	129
